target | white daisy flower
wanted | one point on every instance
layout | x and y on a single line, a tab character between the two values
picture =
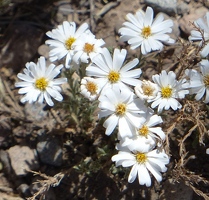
123	109
142	30
133	142
199	82
146	90
39	83
147	130
87	47
203	34
111	72
142	163
148	127
195	83
169	90
63	39
90	88
145	143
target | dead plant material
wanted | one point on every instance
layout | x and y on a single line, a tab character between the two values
192	111
106	8
46	183
187	57
192	180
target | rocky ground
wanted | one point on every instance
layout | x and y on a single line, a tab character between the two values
42	152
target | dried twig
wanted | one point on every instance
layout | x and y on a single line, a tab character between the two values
92	23
46	183
106	8
199	192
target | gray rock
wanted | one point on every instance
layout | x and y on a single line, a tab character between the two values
5	184
185	23
4	196
22	40
175	28
35	111
24	189
43	50
182	8
4	158
59	18
22	159
166	6
50	152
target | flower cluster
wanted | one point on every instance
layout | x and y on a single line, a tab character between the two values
74	45
131	106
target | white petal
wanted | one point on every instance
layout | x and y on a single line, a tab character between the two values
130	65
154	171
133	174
118	58
55	94
205	51
23	84
110	124
107	58
148	16
48	99
143	176
25	78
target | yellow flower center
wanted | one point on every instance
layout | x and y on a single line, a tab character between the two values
88	48
91	87
69	42
146	32
166	92
141	158
147	89
113	76
206	80
41	84
143	130
120	109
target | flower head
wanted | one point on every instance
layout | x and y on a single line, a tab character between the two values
87	47
142	30
199	82
63	41
142	163
146	131
202	34
90	88
144	144
169	90
38	82
123	109
146	90
111	72
148	127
